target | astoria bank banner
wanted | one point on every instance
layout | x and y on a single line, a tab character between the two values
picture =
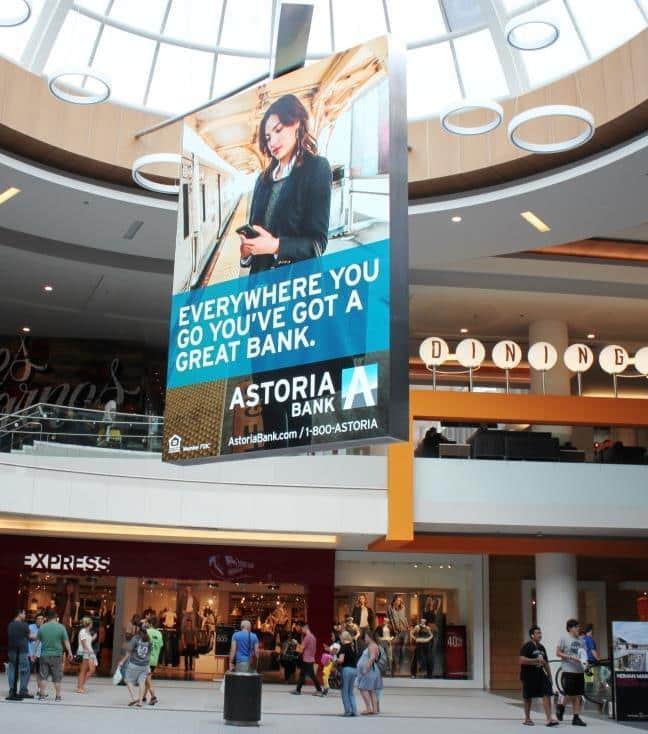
289	310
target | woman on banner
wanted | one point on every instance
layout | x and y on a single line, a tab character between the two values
290	212
291	203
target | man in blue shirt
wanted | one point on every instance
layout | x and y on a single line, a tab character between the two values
590	644
245	645
34	642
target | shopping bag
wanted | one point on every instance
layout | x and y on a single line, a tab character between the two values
117	677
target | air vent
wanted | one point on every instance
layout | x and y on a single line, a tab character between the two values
135	227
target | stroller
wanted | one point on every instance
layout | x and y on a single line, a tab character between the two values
335	679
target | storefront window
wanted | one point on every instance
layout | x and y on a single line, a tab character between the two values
422	610
197	618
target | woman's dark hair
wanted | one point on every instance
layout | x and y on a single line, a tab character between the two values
143	634
289	110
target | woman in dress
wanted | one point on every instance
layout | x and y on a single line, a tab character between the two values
369	676
86	653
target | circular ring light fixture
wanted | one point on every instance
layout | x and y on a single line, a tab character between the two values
531	34
56	88
148	183
552	110
467	105
21	15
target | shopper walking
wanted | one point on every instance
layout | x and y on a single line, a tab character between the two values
157	643
369	676
571	650
138	655
347	661
590	645
308	648
244	650
18	669
54	643
535	675
86	652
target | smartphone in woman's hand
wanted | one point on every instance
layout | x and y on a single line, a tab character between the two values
247	231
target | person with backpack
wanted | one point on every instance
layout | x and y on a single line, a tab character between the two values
369	676
157	643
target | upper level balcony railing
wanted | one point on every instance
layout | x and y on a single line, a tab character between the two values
58	424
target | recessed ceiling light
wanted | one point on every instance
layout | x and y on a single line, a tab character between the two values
456	219
591	336
48	288
535	221
463	330
8	194
26	329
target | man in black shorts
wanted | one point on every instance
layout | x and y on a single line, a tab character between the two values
535	675
571	650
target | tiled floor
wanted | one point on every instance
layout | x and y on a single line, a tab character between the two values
185	708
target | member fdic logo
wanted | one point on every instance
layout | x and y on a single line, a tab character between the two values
175	444
360	386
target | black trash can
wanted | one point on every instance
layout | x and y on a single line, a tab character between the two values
242	699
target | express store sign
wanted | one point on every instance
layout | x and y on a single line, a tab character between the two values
67	562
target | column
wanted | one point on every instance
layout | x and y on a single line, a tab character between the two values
556	595
126	604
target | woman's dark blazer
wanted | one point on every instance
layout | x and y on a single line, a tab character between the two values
301	217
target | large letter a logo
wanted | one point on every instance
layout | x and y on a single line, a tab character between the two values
360	387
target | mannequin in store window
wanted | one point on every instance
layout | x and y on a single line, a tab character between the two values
397	615
433	612
423	638
363	615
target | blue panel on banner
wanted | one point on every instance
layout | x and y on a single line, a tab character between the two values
311	311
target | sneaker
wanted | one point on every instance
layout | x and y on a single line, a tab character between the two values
560	711
296	693
42	696
26	695
58	698
577	721
319	694
325	691
17	697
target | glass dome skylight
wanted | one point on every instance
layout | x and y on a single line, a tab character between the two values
169	55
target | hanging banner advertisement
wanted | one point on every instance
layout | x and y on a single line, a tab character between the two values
630	651
289	312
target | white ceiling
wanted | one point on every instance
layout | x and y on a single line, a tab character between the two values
109	287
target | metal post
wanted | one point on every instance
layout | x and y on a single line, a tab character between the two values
580	383
470	388
434	377
614	379
507	380
543	383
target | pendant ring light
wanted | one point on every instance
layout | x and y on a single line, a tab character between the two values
148	183
528	34
56	86
554	110
20	16
467	105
